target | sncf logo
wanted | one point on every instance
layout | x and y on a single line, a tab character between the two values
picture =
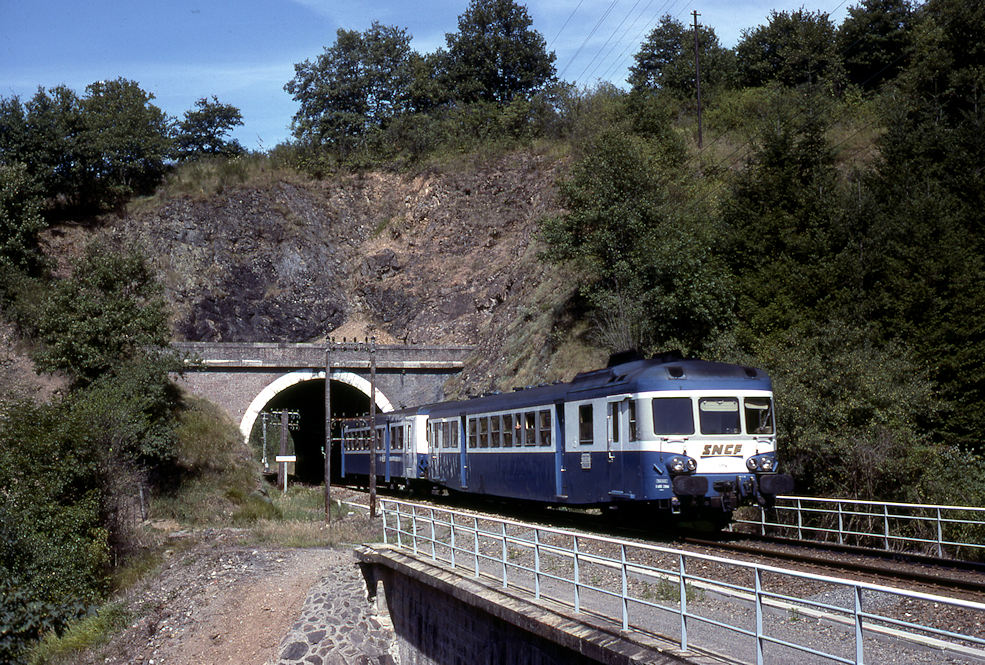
721	449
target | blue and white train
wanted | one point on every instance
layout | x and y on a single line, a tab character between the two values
683	436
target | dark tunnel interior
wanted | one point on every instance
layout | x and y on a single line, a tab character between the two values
308	398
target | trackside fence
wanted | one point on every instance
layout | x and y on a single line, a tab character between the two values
944	531
750	613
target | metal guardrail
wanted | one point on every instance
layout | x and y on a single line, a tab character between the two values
754	613
957	531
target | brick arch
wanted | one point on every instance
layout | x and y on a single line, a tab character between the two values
292	378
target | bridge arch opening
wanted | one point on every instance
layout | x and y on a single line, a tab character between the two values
304	392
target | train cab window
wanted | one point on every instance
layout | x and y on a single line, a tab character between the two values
586	434
673	415
483	432
759	415
545	428
634	434
719	415
530	428
509	427
473	438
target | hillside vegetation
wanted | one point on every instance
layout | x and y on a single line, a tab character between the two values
828	228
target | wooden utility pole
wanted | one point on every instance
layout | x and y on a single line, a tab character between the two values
372	427
697	73
328	431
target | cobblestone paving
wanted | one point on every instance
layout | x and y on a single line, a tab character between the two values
338	625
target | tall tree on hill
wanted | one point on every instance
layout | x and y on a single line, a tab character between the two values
665	60
792	48
355	87
495	56
645	262
125	140
926	282
874	41
204	128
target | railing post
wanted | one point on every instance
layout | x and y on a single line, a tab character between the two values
400	528
383	507
475	531
503	536
940	535
625	587
885	526
537	563
434	556
577	579
683	585
451	526
413	524
762	520
841	525
800	521
859	646
760	659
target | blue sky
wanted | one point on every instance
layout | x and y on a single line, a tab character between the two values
244	52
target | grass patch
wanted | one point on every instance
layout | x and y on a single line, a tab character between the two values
87	633
301	522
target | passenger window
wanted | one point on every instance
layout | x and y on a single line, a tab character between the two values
759	415
530	429
586	435
494	429
545	428
445	435
472	433
483	432
634	434
719	415
673	415
454	435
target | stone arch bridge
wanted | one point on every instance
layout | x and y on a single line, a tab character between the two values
244	377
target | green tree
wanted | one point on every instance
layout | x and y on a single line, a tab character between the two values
109	312
852	411
495	56
925	273
665	60
203	130
782	217
354	88
645	262
874	41
20	219
50	143
124	142
793	48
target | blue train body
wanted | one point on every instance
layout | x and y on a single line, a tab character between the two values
681	435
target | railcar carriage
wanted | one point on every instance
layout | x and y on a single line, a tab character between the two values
401	448
680	435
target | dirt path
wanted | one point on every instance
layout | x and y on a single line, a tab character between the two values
219	602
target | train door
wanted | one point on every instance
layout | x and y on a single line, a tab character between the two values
434	449
617	435
463	447
560	474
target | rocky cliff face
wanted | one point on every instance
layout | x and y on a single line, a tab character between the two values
443	256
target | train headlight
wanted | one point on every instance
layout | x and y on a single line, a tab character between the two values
765	463
679	464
